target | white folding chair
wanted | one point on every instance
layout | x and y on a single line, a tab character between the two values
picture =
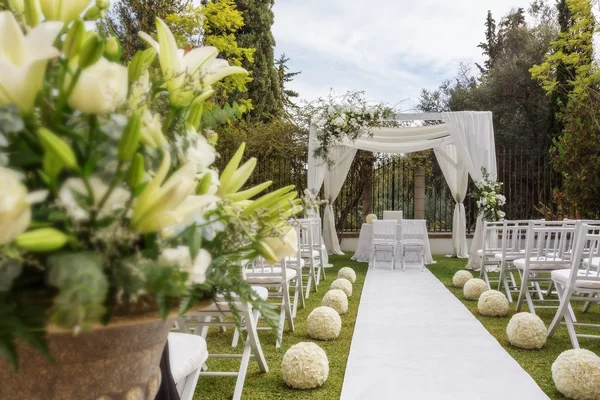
578	284
395	215
384	239
514	239
546	251
281	278
310	254
187	355
489	250
319	246
201	320
410	241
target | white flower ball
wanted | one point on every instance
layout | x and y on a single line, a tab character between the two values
324	323
460	278
337	300
305	366
493	303
347	273
473	288
342	284
527	331
576	374
370	218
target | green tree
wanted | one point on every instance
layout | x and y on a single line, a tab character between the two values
216	23
576	150
264	89
127	17
286	77
490	44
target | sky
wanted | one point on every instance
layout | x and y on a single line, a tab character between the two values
388	48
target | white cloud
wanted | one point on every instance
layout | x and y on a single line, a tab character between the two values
389	48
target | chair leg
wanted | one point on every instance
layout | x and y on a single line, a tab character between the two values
253	339
182	324
522	293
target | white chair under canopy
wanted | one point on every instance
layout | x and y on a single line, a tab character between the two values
384	240
395	215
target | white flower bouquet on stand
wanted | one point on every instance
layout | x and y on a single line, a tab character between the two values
489	198
110	207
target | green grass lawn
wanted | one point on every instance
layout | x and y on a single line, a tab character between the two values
270	385
537	363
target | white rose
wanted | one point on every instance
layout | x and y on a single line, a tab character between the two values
63	10
179	256
15	202
200	266
100	89
200	152
23	60
75	187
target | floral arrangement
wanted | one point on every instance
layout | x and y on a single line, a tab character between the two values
492	303
323	323
576	374
473	288
460	278
342	284
337	300
347	273
489	198
110	205
344	118
305	366
312	203
370	218
527	331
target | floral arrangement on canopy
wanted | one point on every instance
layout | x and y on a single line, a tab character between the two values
311	203
110	204
348	117
489	198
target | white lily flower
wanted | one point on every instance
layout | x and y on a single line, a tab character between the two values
15	205
100	89
63	10
23	60
151	132
187	75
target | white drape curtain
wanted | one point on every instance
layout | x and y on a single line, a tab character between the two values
473	136
457	178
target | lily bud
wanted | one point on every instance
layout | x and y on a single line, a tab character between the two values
103	4
233	165
139	63
212	137
204	184
33	12
91	51
17	6
249	193
136	172
92	14
195	116
265	251
57	147
74	39
131	138
113	49
52	165
41	240
239	177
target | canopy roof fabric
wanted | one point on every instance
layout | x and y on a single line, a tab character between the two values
463	144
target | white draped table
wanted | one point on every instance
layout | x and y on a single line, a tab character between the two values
413	229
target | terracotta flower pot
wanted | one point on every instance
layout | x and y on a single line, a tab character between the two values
113	362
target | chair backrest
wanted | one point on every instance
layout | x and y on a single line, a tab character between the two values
306	240
260	268
490	232
548	243
384	230
514	238
587	247
395	215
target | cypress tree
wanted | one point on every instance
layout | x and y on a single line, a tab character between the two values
264	89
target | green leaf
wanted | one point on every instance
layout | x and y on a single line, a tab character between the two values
82	286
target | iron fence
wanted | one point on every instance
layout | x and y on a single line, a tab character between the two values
528	183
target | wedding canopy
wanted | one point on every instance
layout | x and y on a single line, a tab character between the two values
463	145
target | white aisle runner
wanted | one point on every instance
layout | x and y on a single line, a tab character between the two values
414	340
